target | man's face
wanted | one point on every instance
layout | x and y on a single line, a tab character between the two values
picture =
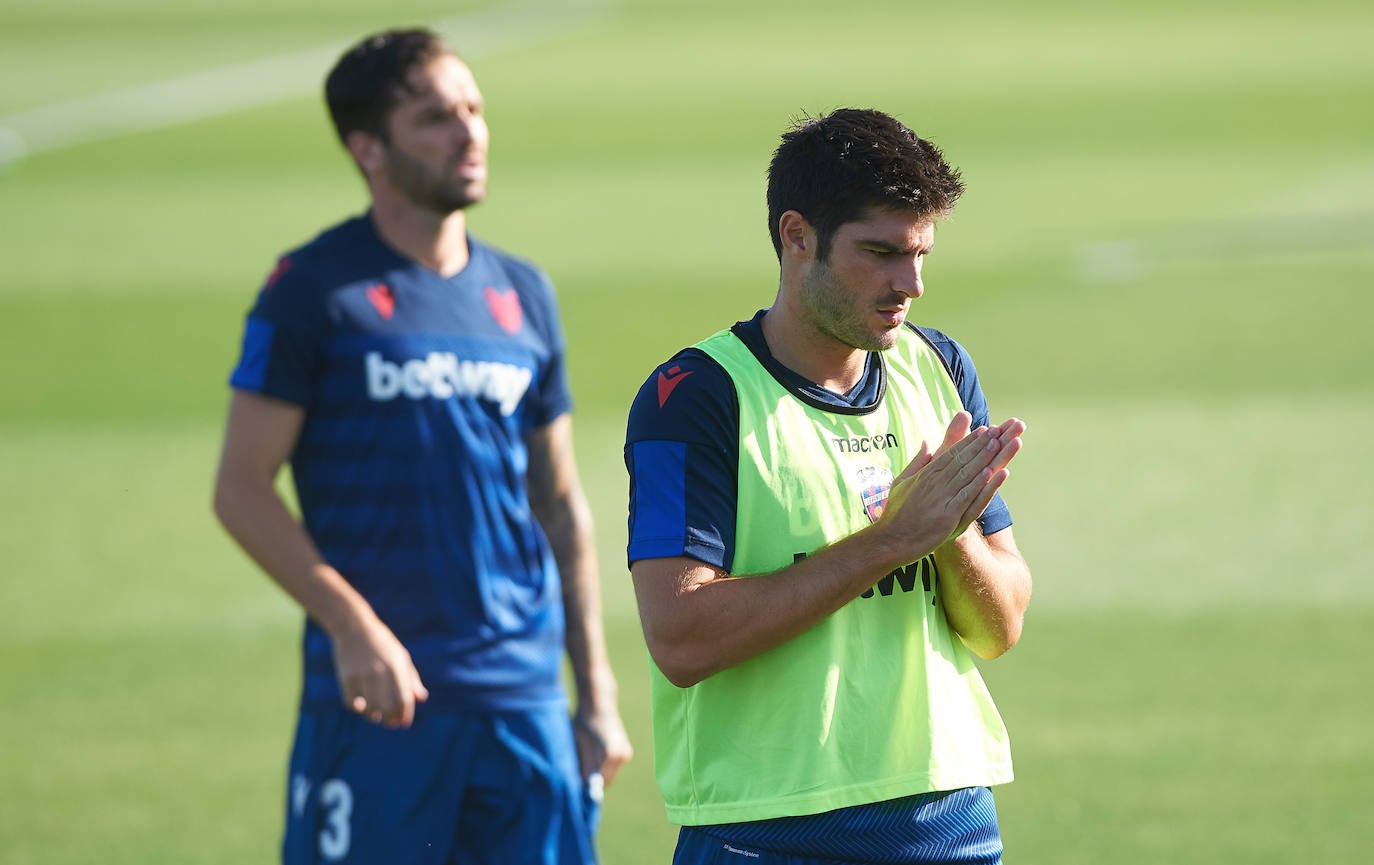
860	295
436	152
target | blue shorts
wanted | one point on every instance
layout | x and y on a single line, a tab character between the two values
957	827
453	789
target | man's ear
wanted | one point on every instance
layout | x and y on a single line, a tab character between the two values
797	235
366	150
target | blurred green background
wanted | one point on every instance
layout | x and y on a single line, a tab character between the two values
1163	264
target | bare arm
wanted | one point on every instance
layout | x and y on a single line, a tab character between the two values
560	505
699	620
986	587
374	669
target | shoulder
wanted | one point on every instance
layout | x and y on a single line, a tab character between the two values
345	245
689	397
292	293
524	275
306	272
957	359
961	369
948	347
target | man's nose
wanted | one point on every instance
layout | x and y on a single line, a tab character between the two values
462	130
908	282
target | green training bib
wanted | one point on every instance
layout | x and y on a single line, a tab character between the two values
879	701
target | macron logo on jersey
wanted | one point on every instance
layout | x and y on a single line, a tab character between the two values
668	381
442	375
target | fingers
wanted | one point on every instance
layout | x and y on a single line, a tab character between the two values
962	461
1011	427
955	485
618	753
958	428
957	434
610	767
591	754
986	447
602	745
387	697
1008	438
411	694
379	703
920	461
1008	446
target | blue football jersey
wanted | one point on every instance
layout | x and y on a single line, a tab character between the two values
410	468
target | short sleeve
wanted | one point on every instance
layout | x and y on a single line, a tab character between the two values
553	396
996	516
282	337
682	455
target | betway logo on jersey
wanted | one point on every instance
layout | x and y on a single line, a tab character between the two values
442	375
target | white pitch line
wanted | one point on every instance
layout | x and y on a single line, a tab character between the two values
256	83
1346	229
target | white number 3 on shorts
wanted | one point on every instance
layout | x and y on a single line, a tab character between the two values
336	800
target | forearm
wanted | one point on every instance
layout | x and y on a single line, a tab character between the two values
256	518
569	528
985	588
699	620
719	620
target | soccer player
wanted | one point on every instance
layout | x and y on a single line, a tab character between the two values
414	378
817	541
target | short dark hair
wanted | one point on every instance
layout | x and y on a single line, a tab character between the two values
834	168
370	78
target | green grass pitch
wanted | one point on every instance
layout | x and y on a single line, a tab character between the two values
1163	264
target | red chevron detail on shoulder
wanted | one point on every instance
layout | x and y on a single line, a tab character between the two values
668	380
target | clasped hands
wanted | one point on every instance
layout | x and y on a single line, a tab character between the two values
941	492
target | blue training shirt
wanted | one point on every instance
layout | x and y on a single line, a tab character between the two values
419	391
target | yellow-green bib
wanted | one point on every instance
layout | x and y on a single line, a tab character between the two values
879	701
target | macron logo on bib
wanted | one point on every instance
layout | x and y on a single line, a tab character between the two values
442	375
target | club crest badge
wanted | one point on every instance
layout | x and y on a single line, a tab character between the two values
874	483
504	304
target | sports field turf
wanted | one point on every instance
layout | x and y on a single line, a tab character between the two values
1164	264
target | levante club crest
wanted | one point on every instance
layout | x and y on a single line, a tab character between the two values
874	482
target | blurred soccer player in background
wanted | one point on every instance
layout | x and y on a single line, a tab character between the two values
414	378
818	543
